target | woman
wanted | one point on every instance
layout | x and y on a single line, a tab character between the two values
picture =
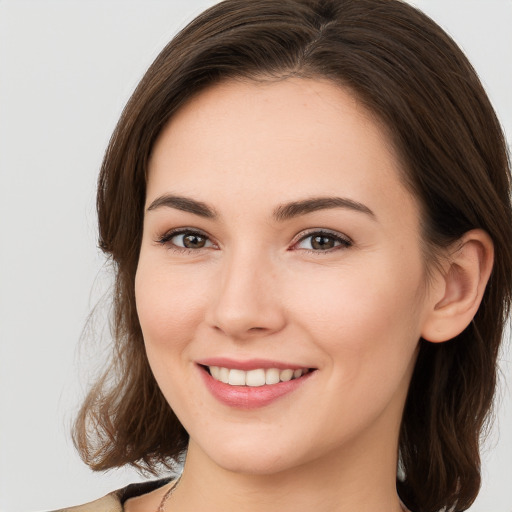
308	206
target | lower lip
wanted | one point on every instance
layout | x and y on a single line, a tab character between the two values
247	397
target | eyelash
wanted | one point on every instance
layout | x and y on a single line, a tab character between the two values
166	238
343	241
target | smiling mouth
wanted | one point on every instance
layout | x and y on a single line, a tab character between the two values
254	378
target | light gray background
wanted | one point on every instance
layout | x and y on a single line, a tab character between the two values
66	70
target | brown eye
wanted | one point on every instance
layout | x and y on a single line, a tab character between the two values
185	239
193	241
323	241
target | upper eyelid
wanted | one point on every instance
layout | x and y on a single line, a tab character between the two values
179	231
296	239
167	235
336	234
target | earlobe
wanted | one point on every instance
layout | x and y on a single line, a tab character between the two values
460	286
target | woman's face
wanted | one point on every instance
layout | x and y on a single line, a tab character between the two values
279	241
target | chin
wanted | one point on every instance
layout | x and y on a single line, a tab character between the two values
262	466
248	456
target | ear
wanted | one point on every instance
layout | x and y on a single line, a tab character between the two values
459	286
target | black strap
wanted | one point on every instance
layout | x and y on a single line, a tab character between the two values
134	490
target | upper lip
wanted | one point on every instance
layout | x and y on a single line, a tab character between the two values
249	364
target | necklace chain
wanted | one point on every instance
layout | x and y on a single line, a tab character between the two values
167	495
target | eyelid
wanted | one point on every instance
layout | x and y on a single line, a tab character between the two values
165	239
345	240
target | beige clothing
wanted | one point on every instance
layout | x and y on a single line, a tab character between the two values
114	501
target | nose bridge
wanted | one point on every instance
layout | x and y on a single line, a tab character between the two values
247	300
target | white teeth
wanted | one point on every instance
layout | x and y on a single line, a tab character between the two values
272	376
236	378
224	375
254	378
286	375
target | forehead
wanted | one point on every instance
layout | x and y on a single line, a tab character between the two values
255	114
274	141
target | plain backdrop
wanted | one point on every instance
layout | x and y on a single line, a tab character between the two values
66	70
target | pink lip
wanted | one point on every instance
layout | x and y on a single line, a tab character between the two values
246	397
251	364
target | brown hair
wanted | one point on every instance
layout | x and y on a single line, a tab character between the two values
415	79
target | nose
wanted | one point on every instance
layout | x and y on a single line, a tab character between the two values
247	300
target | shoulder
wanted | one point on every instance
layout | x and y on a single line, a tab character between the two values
109	503
114	501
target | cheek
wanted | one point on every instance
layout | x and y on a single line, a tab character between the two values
366	316
367	326
169	305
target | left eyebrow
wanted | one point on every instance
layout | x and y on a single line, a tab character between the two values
296	208
185	204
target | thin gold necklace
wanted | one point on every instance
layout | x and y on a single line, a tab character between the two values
167	495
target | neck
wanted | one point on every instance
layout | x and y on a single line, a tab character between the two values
346	480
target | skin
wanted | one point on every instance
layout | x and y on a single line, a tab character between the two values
258	289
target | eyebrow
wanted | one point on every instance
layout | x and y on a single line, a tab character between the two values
297	208
281	213
184	204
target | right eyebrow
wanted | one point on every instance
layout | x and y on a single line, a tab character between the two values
309	205
184	204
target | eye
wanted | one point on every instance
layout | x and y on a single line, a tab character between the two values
322	241
185	239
